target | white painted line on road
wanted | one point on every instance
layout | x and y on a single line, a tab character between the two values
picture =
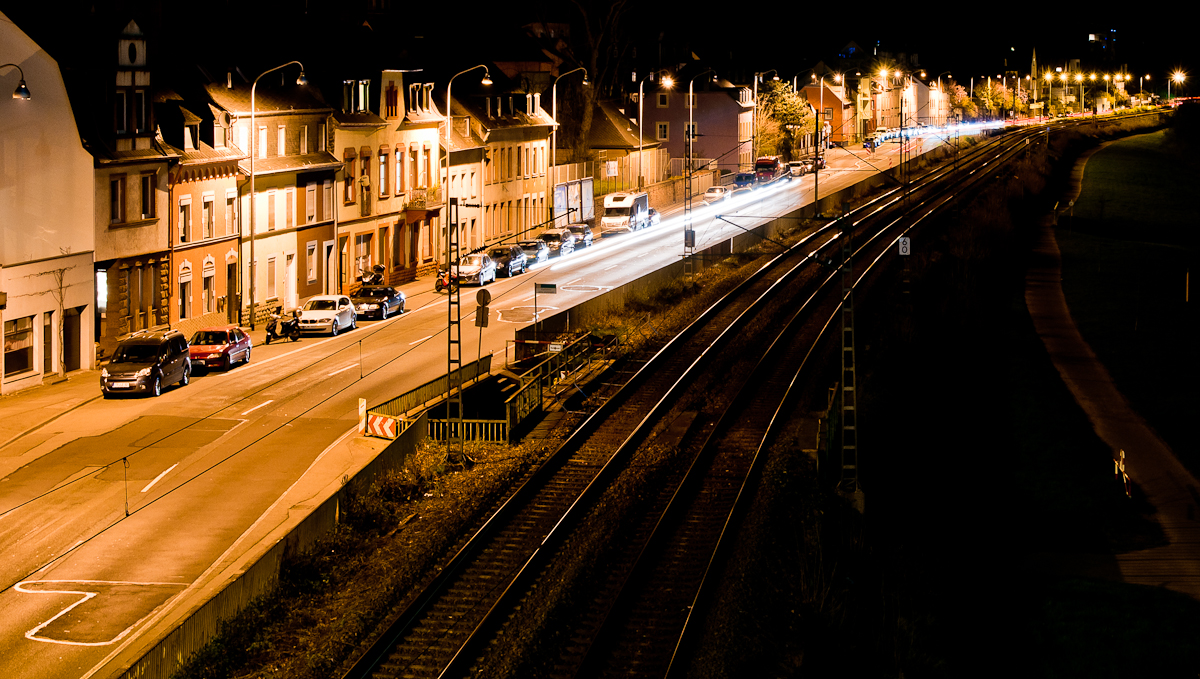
528	298
572	281
159	477
420	340
612	267
268	401
644	254
32	634
342	370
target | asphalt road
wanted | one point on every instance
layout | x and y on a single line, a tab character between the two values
112	510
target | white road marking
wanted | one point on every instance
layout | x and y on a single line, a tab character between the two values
268	401
612	267
159	477
342	370
572	281
420	340
528	298
32	634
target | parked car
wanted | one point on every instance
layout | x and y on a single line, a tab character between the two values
583	234
510	259
379	301
219	347
716	194
655	218
328	313
743	180
560	241
146	362
477	268
536	251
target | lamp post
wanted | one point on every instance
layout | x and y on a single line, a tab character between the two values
554	130
301	80
1177	77
667	83
450	121
22	92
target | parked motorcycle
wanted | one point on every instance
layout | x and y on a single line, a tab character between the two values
280	327
373	277
443	281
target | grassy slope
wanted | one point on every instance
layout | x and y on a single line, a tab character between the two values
1126	254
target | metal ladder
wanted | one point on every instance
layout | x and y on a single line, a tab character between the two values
454	411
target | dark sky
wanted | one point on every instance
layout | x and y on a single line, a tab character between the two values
788	37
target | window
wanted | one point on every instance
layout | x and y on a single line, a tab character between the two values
691	100
116	199
660	131
141	121
383	176
271	210
148	196
185	290
348	190
289	199
185	219
18	345
281	140
262	141
661	100
121	112
231	222
472	186
690	131
206	215
390	101
270	277
397	244
519	169
310	203
210	292
303	139
321	137
398	156
310	260
362	251
327	200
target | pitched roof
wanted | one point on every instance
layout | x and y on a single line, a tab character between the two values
612	129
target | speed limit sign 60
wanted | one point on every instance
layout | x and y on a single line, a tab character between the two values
905	247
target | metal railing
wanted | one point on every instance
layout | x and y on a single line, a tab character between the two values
431	391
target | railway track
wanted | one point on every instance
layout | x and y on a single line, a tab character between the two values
657	576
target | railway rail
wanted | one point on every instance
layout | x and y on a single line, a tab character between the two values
447	628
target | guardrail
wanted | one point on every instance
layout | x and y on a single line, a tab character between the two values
432	390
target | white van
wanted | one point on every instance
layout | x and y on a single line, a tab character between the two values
625	212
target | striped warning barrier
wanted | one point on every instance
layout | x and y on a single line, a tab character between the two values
381	426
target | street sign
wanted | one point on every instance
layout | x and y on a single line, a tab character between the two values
689	238
483	297
905	246
546	288
481	317
555	348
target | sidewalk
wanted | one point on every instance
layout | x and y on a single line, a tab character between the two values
1167	485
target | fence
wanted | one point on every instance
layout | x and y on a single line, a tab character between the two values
431	390
679	165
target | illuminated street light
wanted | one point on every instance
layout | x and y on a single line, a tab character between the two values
667	82
22	92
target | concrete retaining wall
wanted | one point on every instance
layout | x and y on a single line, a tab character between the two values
261	576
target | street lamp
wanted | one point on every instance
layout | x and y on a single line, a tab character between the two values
554	108
1177	77
22	92
301	80
450	121
667	83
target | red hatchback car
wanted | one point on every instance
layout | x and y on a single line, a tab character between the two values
219	347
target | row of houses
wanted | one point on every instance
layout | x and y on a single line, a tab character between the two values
214	199
219	195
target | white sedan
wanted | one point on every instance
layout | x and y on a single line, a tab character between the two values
327	313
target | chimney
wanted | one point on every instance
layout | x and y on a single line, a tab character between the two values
489	106
229	80
537	102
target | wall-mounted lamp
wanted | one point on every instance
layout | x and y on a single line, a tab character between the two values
22	92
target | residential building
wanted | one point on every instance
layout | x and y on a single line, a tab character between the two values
203	201
132	260
510	178
721	115
386	132
290	176
47	288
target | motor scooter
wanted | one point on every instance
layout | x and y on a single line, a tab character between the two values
443	281
373	277
280	327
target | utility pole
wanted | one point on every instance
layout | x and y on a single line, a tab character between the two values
848	485
454	414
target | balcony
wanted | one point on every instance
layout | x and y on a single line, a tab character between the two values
425	199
